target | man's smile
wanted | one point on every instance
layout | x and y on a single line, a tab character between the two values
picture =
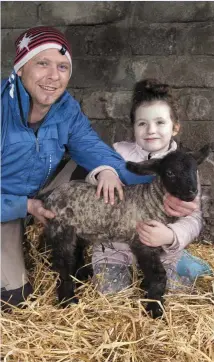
48	88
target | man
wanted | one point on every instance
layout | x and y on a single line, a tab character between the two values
39	119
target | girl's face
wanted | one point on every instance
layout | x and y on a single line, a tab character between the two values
153	126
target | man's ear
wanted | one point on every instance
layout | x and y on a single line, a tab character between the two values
19	73
149	167
201	154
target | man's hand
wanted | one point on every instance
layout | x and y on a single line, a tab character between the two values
108	181
36	208
153	233
177	207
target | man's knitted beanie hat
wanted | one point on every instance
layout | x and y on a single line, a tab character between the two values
35	40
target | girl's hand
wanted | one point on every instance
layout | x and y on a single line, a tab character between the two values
36	208
108	181
153	233
177	207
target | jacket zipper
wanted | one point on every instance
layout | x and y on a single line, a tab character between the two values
49	171
37	144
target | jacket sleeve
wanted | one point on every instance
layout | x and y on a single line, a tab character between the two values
13	207
89	151
186	229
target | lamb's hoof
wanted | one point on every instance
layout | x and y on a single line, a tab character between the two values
66	294
154	310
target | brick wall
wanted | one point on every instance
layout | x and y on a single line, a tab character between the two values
116	43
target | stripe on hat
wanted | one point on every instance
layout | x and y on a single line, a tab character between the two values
36	38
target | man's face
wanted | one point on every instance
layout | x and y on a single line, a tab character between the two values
46	76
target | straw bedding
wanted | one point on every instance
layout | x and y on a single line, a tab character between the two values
108	328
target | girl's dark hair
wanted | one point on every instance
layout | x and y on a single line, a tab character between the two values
149	90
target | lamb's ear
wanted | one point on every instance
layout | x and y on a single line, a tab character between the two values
148	167
201	154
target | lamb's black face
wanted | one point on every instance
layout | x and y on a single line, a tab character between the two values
179	175
177	170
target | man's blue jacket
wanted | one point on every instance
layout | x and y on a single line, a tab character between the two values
28	160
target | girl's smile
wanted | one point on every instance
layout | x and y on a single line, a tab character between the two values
151	139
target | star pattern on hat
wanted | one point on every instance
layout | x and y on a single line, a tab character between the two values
26	40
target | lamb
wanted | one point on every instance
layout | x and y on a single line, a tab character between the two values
80	214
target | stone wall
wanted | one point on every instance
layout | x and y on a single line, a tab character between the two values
116	43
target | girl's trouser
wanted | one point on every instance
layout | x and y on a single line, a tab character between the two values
112	271
15	286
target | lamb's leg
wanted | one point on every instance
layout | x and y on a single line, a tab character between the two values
154	275
63	241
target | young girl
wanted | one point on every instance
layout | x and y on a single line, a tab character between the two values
155	122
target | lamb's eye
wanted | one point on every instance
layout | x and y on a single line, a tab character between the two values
169	173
